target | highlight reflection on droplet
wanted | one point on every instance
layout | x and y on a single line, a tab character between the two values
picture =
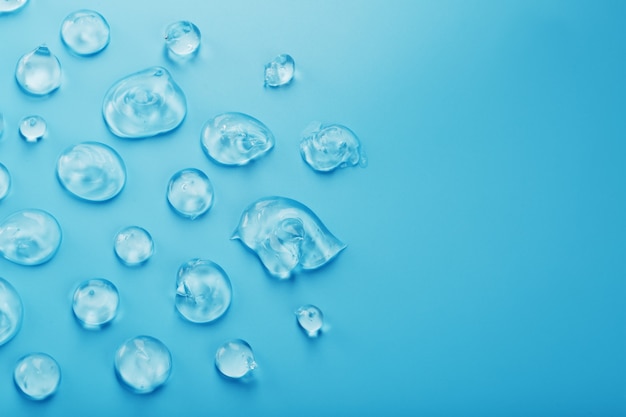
143	364
85	32
29	237
11	311
39	72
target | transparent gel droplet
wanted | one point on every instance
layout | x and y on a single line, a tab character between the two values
1	125
33	128
10	6
29	237
37	375
91	171
144	104
5	181
182	39
95	303
133	245
190	193
143	364
279	71
236	139
286	235
11	312
38	72
310	319
235	359
203	291
327	147
85	32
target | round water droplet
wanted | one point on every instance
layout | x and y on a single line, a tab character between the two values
236	139
37	375
91	171
95	303
9	6
279	71
133	245
311	319
235	359
327	147
5	181
182	39
190	193
38	72
29	237
144	104
143	364
33	128
11	312
203	291
85	32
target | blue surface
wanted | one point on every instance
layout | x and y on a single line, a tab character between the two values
485	273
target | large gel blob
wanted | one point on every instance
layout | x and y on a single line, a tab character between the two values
29	237
286	235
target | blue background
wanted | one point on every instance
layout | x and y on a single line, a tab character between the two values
485	273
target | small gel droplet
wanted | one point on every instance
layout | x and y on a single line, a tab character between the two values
95	303
5	181
85	32
279	71
37	375
33	128
38	72
143	364
328	147
11	312
310	319
133	245
235	359
10	6
182	39
190	193
29	237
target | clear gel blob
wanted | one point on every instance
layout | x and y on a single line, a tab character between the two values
286	235
5	181
310	319
144	104
327	147
11	312
33	128
29	237
95	303
182	39
85	32
37	375
236	139
133	245
203	291
10	6
235	359
279	71
1	125
190	193
38	72
143	364
91	171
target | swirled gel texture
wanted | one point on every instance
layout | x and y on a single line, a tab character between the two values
91	171
38	72
328	147
286	235
144	104
85	32
236	138
11	311
29	237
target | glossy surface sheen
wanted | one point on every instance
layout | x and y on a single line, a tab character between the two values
235	359
38	72
85	32
182	39
280	71
133	245
190	193
203	291
29	237
91	171
9	6
11	311
5	181
236	139
328	147
95	303
143	364
33	128
286	235
37	375
310	319
144	104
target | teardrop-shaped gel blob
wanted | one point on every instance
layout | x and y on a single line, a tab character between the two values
10	6
39	71
29	237
11	311
236	139
91	171
328	147
144	104
286	235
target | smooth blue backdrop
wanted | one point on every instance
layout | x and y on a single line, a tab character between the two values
485	273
